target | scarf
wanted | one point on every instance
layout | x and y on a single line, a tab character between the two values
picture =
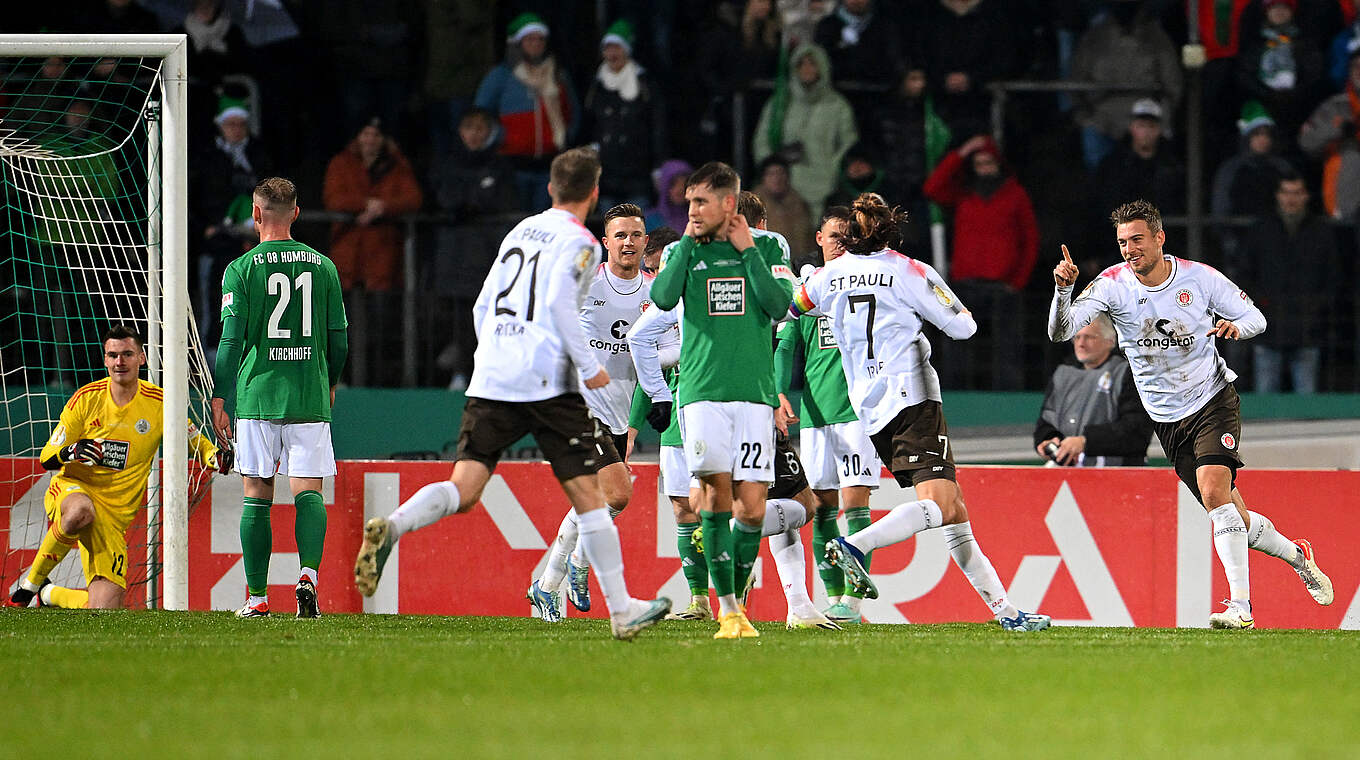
542	79
237	152
624	81
211	36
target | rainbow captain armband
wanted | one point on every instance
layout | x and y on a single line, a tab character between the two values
802	304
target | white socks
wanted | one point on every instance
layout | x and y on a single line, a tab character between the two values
787	549
1230	541
600	539
562	546
427	506
578	555
1263	537
905	521
782	515
974	564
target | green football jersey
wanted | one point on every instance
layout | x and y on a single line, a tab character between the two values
289	297
730	298
826	394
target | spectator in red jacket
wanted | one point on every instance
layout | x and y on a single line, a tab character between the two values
996	242
371	179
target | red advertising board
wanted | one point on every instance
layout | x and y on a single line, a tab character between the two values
1089	547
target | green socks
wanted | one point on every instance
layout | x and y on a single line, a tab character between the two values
746	542
256	544
825	528
718	551
691	559
310	528
257	538
858	519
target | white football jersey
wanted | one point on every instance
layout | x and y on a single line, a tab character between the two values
877	304
1163	331
530	345
610	308
654	339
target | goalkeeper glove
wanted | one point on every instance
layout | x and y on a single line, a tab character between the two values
223	460
88	451
660	415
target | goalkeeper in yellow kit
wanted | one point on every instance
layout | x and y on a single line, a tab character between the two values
102	448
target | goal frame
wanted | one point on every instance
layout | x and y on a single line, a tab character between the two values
167	263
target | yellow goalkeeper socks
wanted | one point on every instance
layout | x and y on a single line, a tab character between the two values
51	551
65	598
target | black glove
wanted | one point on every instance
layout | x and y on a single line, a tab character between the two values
660	415
223	459
86	451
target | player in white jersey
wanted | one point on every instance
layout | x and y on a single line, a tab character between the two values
531	359
877	300
618	295
1170	314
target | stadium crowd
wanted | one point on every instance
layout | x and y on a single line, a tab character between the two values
454	110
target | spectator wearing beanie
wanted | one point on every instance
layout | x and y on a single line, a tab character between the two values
624	119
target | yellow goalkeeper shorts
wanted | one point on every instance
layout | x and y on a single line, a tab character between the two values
103	544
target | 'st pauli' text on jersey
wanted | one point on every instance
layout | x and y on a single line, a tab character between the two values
1163	330
611	307
130	434
289	296
530	345
877	303
729	300
826	394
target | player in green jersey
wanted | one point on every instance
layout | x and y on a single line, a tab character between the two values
729	283
836	452
283	346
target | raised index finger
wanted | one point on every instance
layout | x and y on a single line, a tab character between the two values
1067	255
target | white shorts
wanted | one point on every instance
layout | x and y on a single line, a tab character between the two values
675	477
839	456
296	449
729	436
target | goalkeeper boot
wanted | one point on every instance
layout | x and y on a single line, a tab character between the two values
23	597
1026	621
306	599
641	614
1235	617
373	553
578	585
548	605
256	610
735	625
1319	585
850	560
698	609
844	614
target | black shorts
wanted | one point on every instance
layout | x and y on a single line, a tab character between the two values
1210	436
611	447
789	477
915	445
561	425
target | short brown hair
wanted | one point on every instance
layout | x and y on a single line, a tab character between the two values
659	238
622	211
1135	210
752	207
120	331
275	194
717	175
574	175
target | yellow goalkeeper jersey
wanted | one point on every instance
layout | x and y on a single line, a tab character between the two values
131	434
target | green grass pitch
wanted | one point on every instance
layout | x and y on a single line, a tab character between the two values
157	684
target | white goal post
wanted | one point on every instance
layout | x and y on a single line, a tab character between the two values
167	256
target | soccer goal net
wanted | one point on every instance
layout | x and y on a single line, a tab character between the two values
92	175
